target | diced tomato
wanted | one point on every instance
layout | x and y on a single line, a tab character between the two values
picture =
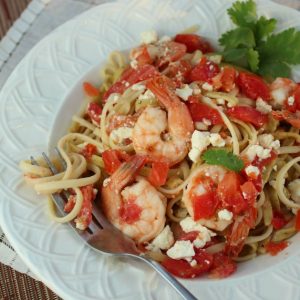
130	212
178	71
205	204
141	55
297	224
297	97
248	114
264	162
249	192
84	216
253	86
94	111
172	51
223	266
70	204
129	77
89	150
158	174
237	235
228	78
204	71
90	90
275	248
183	269
188	236
113	159
229	193
200	111
278	220
287	116
193	42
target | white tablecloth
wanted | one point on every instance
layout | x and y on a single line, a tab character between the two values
52	15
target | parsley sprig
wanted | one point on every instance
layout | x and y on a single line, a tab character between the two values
254	45
223	158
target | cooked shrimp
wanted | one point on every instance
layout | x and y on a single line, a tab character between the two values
138	210
281	88
160	135
200	187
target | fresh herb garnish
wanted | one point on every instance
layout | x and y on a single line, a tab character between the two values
253	45
223	158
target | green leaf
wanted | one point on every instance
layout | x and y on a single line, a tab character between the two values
243	13
253	59
223	158
275	69
263	28
241	36
236	56
282	47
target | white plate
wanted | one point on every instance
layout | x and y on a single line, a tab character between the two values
29	102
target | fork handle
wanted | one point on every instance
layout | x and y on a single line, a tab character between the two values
180	289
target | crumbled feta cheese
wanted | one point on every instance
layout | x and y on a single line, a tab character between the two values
201	126
163	241
200	139
106	182
294	188
194	154
206	122
252	171
279	95
196	91
257	150
120	134
193	263
275	145
208	87
181	249
291	100
199	243
149	37
126	83
188	225
164	39
263	106
134	64
138	87
216	140
147	95
95	192
225	215
215	59
184	92
267	141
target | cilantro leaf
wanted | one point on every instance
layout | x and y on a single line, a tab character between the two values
282	47
274	69
253	59
237	56
264	27
223	158
241	36
243	13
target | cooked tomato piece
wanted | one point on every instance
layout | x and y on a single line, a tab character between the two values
172	51
183	269
129	77
223	266
275	248
264	162
228	78
248	114
193	42
94	111
200	111
130	212
297	97
113	159
89	150
188	236
297	224
278	220
158	174
249	192
84	216
204	71
141	55
253	86
90	90
229	193
205	206
178	71
287	116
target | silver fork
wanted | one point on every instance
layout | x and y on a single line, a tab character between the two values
105	238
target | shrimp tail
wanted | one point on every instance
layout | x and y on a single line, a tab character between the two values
128	171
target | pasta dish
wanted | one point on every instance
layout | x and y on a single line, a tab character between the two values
195	159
